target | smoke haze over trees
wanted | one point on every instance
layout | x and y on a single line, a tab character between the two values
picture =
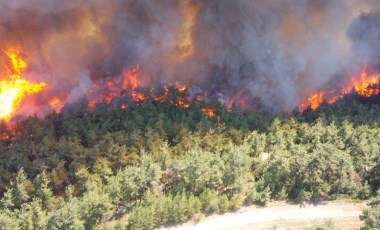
161	164
271	55
150	162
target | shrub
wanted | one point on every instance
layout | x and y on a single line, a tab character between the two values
209	200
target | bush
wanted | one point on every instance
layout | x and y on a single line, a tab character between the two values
364	192
180	211
223	203
142	218
325	225
303	196
158	210
195	205
260	198
209	200
371	216
162	208
236	202
96	206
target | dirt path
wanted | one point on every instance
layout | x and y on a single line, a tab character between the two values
284	216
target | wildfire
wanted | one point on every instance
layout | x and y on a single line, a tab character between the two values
180	103
106	92
160	98
7	134
180	88
313	102
131	82
15	88
130	79
138	96
116	91
130	86
56	104
211	112
367	86
185	44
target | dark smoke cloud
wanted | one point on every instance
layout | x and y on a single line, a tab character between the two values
271	53
365	35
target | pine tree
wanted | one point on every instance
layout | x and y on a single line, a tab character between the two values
9	220
32	215
17	194
96	206
68	213
371	215
43	191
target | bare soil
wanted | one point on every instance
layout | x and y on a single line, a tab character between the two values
344	214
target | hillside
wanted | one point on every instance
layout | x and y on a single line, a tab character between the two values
160	164
130	114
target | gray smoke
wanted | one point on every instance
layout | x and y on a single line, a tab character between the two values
365	35
271	54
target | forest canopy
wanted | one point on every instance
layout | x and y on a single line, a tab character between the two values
154	164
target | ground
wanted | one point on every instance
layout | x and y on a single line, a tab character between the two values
282	215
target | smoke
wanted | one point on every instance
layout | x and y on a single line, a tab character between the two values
365	35
270	54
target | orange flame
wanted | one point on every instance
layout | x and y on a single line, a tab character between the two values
130	79
185	44
162	97
15	88
56	104
313	102
367	86
180	103
128	86
7	135
138	97
209	112
180	88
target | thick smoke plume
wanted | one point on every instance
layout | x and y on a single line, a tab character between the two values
270	54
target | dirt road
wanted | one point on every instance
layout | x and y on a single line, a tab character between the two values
284	216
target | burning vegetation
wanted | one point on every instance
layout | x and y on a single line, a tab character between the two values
127	51
160	111
242	52
14	90
13	87
366	86
130	88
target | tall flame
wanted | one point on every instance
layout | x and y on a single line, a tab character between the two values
184	36
14	88
367	86
313	102
132	87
